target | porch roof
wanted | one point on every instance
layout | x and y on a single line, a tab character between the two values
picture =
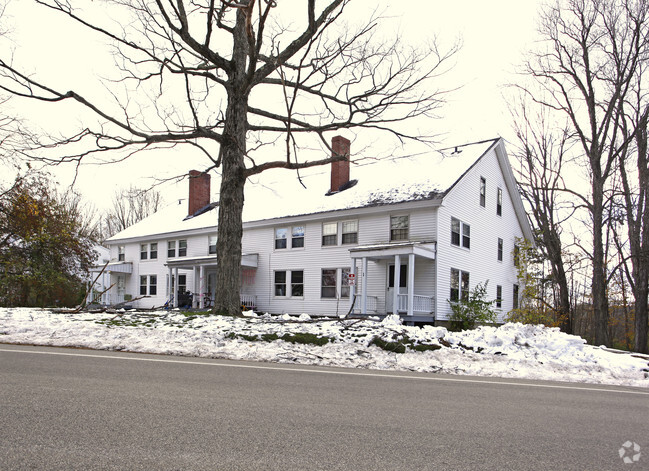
426	249
115	267
247	260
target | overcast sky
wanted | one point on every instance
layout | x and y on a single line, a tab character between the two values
495	37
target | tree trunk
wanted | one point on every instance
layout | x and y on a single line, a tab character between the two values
233	179
600	303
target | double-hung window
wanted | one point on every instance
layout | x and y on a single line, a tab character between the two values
211	241
297	237
499	296
120	253
459	285
182	248
499	202
281	238
500	250
460	233
350	232
171	249
153	250
148	285
483	192
296	283
515	297
144	251
328	287
399	226
330	233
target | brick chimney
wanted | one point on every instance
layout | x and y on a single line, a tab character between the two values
339	169
199	191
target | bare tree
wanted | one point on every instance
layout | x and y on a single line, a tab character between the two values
130	205
542	152
231	76
594	48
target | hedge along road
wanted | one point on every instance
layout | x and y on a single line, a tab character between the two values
80	409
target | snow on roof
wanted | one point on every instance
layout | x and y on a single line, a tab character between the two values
380	182
282	194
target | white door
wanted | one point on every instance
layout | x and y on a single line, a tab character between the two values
403	286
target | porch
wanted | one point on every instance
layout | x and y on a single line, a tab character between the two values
204	280
414	301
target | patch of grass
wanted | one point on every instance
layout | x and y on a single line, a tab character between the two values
401	344
306	338
395	347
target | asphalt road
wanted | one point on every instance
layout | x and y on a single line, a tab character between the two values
80	409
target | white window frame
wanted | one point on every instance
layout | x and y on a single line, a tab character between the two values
327	232
346	230
147	282
211	244
395	218
464	234
462	291
483	192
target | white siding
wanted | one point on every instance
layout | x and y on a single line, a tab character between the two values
463	203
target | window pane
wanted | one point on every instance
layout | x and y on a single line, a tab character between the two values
329	240
212	244
154	251
297	283
464	288
329	228
399	228
153	285
455	284
455	231
143	252
344	288
281	238
351	238
143	285
483	191
182	248
499	296
499	203
328	283
280	283
500	250
171	249
466	236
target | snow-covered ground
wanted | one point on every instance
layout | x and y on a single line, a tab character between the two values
510	351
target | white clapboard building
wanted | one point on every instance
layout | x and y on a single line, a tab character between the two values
406	235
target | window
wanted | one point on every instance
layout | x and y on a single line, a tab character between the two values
350	232
499	296
517	255
455	231
328	289
344	282
297	283
330	233
280	283
182	248
211	244
403	276
148	285
500	250
153	251
483	192
499	202
281	238
120	253
171	249
460	228
144	251
399	228
297	237
459	285
515	297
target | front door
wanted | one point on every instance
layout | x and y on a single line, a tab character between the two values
403	286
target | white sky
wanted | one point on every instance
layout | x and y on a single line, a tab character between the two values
495	36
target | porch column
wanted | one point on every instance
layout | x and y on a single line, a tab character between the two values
201	293
411	284
195	288
170	289
175	287
397	283
364	298
352	288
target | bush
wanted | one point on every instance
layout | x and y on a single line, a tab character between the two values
466	313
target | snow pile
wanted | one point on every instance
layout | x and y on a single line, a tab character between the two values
509	351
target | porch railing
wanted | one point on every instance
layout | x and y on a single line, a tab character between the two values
372	304
248	300
419	303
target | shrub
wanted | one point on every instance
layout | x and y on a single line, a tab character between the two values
466	313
